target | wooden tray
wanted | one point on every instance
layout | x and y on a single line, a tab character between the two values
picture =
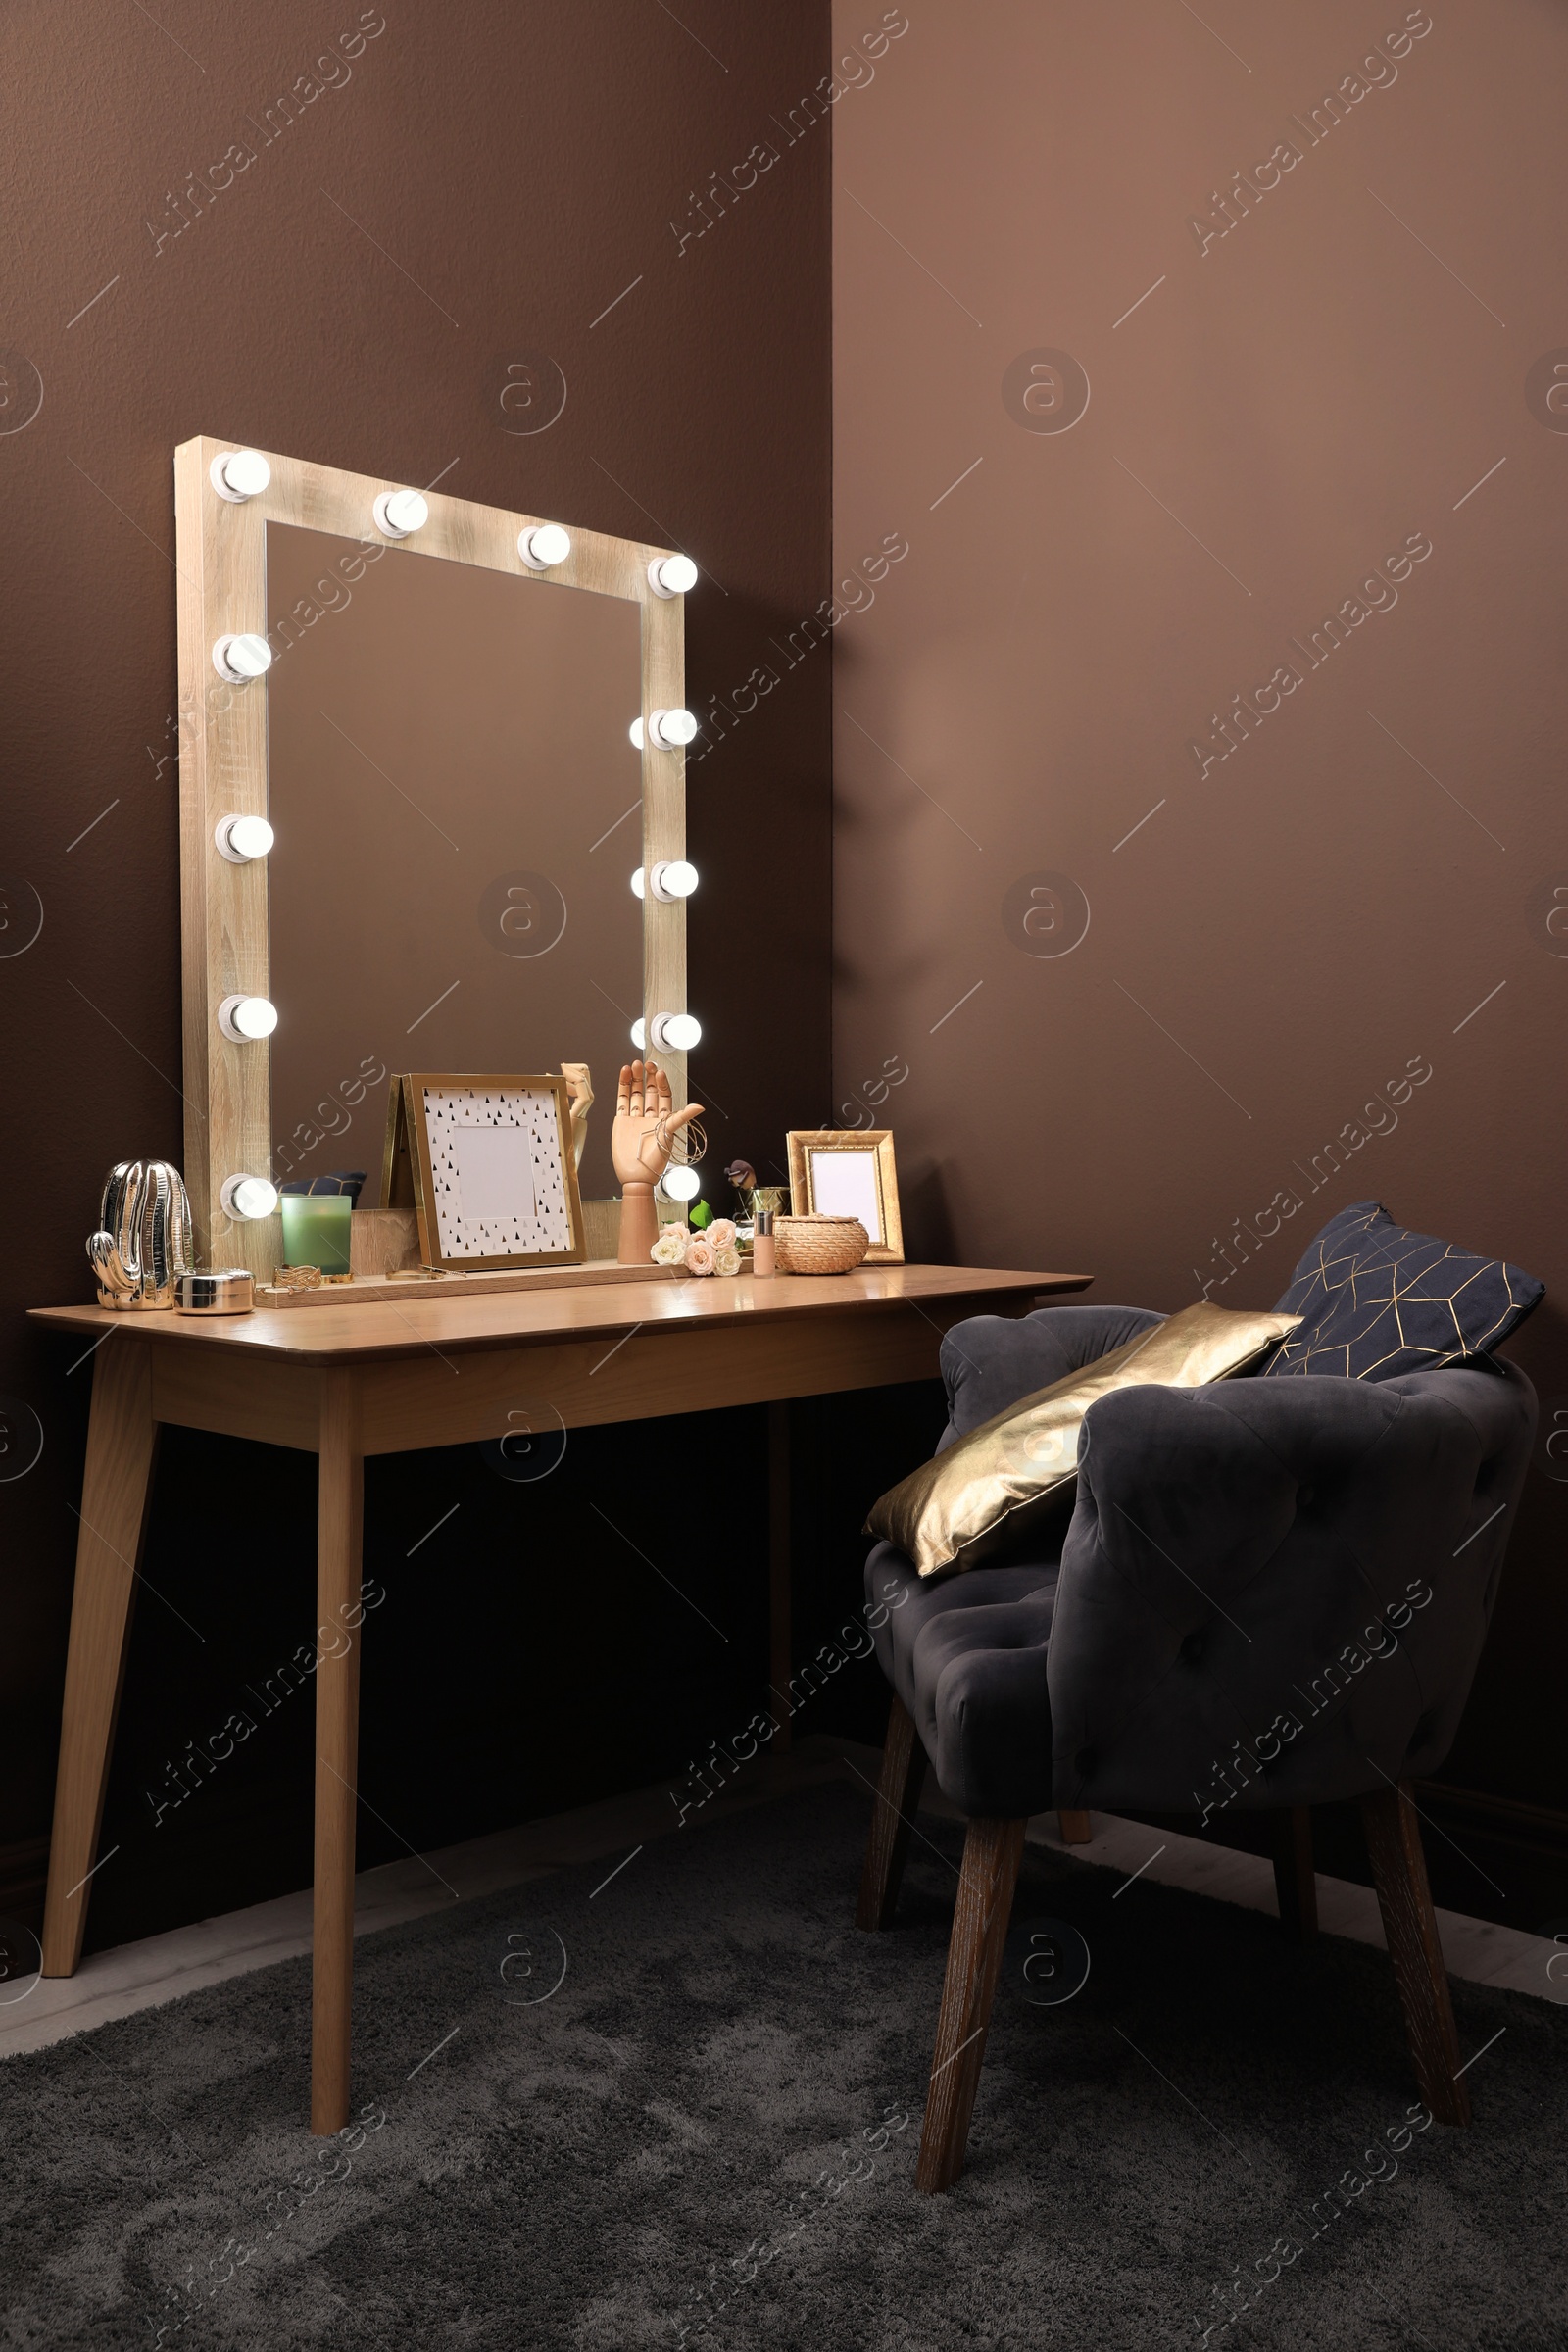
370	1291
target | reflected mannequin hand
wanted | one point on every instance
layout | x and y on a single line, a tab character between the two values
646	1122
580	1096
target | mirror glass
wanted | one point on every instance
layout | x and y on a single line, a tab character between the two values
456	806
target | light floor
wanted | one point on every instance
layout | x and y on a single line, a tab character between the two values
137	1976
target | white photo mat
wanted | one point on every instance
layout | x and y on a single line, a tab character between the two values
844	1184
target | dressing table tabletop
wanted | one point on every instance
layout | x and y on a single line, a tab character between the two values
384	1376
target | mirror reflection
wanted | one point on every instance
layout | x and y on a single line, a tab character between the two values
457	816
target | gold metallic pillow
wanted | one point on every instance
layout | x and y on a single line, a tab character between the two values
992	1486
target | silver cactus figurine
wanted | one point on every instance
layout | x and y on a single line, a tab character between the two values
143	1243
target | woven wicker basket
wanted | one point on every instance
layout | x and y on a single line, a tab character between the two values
819	1245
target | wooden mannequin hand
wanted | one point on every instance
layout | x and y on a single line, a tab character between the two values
643	1103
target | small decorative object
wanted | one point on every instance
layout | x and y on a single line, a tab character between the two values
641	1145
601	1227
698	1253
315	1230
486	1163
754	1198
849	1173
580	1094
382	1242
762	1245
143	1243
819	1245
297	1278
225	1291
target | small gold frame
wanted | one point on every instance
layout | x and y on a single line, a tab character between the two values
408	1173
876	1143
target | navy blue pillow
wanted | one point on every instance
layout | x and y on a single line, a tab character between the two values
1376	1299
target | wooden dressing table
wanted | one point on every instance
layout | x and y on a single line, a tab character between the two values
343	1381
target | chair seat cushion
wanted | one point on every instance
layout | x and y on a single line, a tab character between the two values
1376	1300
967	1657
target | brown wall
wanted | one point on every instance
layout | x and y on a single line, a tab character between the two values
1275	934
523	178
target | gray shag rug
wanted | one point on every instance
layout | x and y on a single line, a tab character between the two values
704	2131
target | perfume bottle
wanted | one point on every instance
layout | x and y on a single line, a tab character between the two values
763	1242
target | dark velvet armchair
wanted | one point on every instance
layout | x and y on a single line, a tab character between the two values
1265	1595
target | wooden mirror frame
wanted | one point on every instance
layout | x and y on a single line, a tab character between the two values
221	550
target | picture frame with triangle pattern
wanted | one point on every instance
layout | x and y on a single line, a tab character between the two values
484	1159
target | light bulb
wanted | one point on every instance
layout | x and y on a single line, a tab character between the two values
239	474
675	1032
635	731
639	884
241	657
400	512
248	1196
672	878
671	576
670	729
639	1034
544	545
240	839
681	1183
247	1018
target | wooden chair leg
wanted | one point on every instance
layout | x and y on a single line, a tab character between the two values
1399	1865
1295	1878
1076	1827
892	1819
991	1853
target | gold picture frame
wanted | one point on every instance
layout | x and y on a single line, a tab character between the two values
523	1184
837	1187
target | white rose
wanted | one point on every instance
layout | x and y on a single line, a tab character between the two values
671	1247
726	1259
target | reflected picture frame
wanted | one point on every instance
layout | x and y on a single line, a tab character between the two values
506	1137
838	1172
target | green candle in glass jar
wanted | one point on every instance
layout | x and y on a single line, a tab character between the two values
315	1230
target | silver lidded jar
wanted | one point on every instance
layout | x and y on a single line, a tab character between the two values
225	1291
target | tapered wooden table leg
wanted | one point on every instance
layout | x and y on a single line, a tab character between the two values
121	1443
780	1588
1076	1827
339	1519
1399	1867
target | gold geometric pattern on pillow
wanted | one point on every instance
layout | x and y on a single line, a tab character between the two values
989	1488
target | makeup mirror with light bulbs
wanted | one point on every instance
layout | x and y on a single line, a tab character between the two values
433	814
